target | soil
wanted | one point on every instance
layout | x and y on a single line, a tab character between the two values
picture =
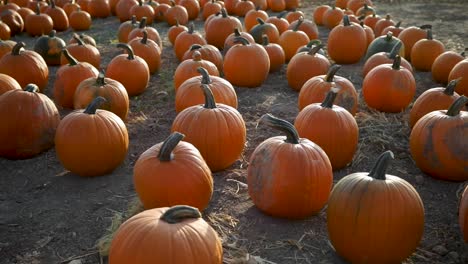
49	215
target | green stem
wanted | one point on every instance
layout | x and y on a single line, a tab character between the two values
206	79
429	34
210	102
457	106
144	40
395	50
329	99
32	88
142	22
292	136
260	21
396	62
398	24
100	80
71	60
380	167
450	89
315	49
195	47
299	23
94	105
331	72
346	22
389	36
241	40
17	48
78	40
178	213
131	54
165	153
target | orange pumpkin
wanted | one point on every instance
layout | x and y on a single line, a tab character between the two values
444	64
29	120
293	15
220	27
125	28
395	29
7	83
70	7
87	39
39	23
208	52
210	8
148	50
142	10
83	52
142	239
230	40
425	51
445	159
186	39
354	5
341	3
6	46
160	171
356	226
217	130
297	188
319	12
370	21
332	17
99	8
385	57
275	54
410	35
192	7
189	68
463	214
250	19
279	21
174	31
58	15
460	70
291	39
347	42
14	21
122	9
80	20
263	28
382	24
176	13
152	33
5	32
277	5
243	7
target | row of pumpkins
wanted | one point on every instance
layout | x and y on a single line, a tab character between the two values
320	150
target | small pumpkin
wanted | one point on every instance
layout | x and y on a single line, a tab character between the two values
355	224
94	129
425	51
210	8
365	10
230	40
410	35
370	36
208	52
50	48
291	39
152	33
80	20
186	39
83	52
445	159
161	171
250	19
192	7
39	23
243	7
332	17
69	7
385	57
148	50
175	30
384	44
296	188
279	21
277	5
6	46
354	5
308	27
313	43
347	42
7	83
275	54
294	15
5	32
122	9
87	39
382	24
444	64
29	120
319	12
176	13
460	70
210	126
142	238
125	28
14	21
396	29
463	214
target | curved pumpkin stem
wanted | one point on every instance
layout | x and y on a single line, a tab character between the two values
331	72
144	40
380	167
210	102
292	136
299	22
396	62
450	89
457	106
224	12
71	60
314	42
282	14
100	80
241	40
17	48
427	26
195	47
142	22
398	24
78	40
330	98
94	105
165	153
206	79
315	49
128	48
237	32
178	213
32	88
260	21
389	36
346	21
395	50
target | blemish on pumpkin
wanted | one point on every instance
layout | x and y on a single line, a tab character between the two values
428	151
457	142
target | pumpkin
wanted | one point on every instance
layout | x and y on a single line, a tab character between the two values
312	44
83	4
148	50
354	5
152	33
68	77
425	51
382	24
331	127
319	12
50	48
460	70
14	21
7	83
130	70
217	130
250	19
189	93
370	36
160	172
189	68
395	29
220	27
87	39
365	10
385	57
99	8
445	159
347	42
444	64
230	40
294	189
58	15
294	15
122	9
291	39
370	21
275	54
174	31
5	32
142	10
162	233
125	28
81	20
263	28
113	91
230	5
305	65
8	5
94	129
260	4
6	46
463	214
384	44
208	52
70	7
276	5
410	35
308	27
210	8
246	65
159	12
433	99
83	52
341	3
369	211
192	7
24	12
29	120
176	13
332	17
243	7
185	40
38	23
389	87
279	21
25	66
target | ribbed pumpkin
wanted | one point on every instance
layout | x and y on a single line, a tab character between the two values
275	54
305	65
174	31
383	23
161	234
332	17
189	68
318	13
113	91
176	13
83	52
208	52
29	120
371	211
99	8
39	23
291	39
331	127
370	36
50	48
389	87
296	188
173	172
152	33
433	99
91	142
68	77
210	8
6	46
385	57
186	39
250	19
58	15
190	94
445	159
384	44
279	21
25	66
81	20
125	28
463	214
246	65
460	70
263	28
7	83
148	50
130	70
159	12
217	130
425	51
347	42
444	64
410	35
220	27
142	10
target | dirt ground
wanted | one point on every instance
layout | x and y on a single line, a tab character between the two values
48	215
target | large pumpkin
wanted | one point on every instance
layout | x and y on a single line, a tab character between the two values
439	140
288	177
463	214
173	172
161	235
347	42
91	142
217	130
374	217
29	120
